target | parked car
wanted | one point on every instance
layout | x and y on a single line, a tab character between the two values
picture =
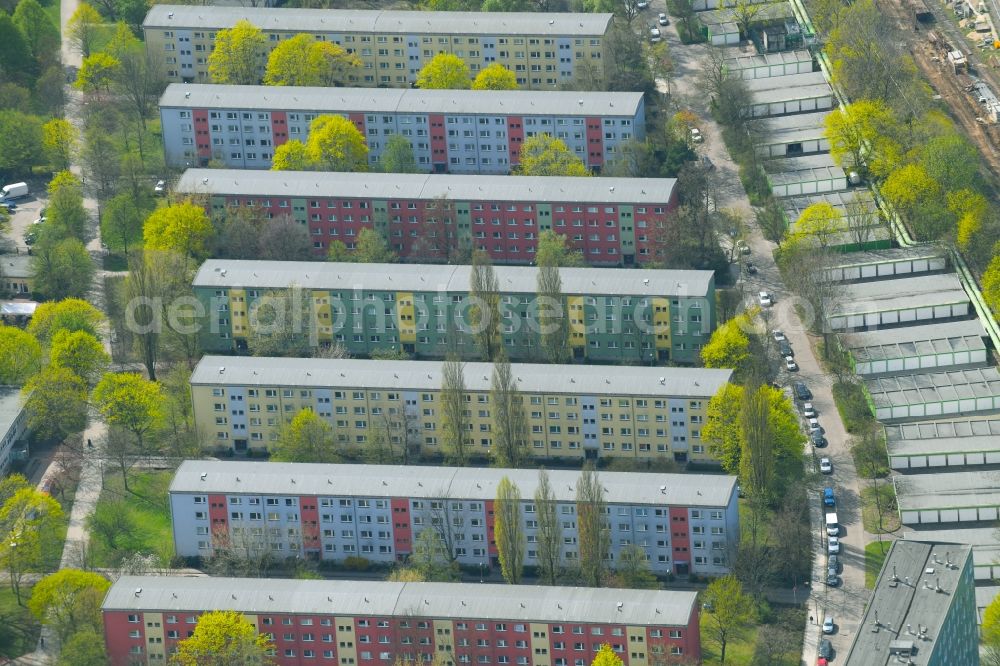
833	545
828	624
10	205
751	268
802	391
785	348
654	34
833	562
642	4
707	165
825	649
779	335
828	497
817	439
791	365
813	425
808	410
14	191
160	189
825	467
662	18
765	299
832	580
696	135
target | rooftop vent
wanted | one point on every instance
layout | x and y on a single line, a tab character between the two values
620	605
138	591
204	475
663	490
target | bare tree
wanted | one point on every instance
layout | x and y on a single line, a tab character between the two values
862	220
594	535
510	425
454	419
484	313
553	321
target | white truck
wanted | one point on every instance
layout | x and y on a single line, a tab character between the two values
13	191
832	526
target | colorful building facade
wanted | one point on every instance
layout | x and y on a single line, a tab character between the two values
455	131
433	217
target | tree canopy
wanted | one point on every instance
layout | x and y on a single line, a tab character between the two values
20	356
69	601
307	438
545	155
238	54
56	404
71	314
303	61
495	77
222	638
181	227
334	144
445	71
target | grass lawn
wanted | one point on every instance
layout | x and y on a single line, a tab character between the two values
852	405
144	517
53	554
742	651
18	628
875	553
870	512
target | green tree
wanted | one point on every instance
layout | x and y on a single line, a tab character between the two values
372	249
83	29
15	56
549	533
58	138
606	657
84	648
306	438
972	210
989	633
80	353
27	523
40	35
61	269
544	155
139	78
594	535
430	557
454	422
97	73
222	638
510	423
397	156
553	322
756	455
21	138
729	346
20	356
129	401
633	569
991	282
771	220
819	225
279	324
484	311
919	200
553	250
445	71
509	534
182	227
495	77
71	314
303	61
122	220
857	129
337	252
291	156
730	612
335	144
65	213
69	601
238	55
951	161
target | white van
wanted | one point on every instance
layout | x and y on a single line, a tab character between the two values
832	526
13	191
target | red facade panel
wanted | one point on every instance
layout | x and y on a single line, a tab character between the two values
490	530
309	515
202	136
439	140
402	530
595	142
359	121
218	517
117	641
279	127
515	137
680	538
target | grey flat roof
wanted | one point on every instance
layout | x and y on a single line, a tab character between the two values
239	182
935	331
271	478
426	375
807	163
898	604
787	82
15	266
925	387
527	603
780	129
886	256
901	293
775	95
985	541
227	273
794	206
400	100
894	350
948	490
806	175
749	61
344	21
969	435
11	406
768	11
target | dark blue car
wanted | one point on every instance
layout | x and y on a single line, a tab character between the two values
828	499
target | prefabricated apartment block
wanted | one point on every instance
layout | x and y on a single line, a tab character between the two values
753	65
958	442
365	622
948	497
460	131
796	93
914	348
934	394
573	412
432	217
544	50
910	300
615	315
686	523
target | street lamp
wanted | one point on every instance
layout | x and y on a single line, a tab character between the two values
481	566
